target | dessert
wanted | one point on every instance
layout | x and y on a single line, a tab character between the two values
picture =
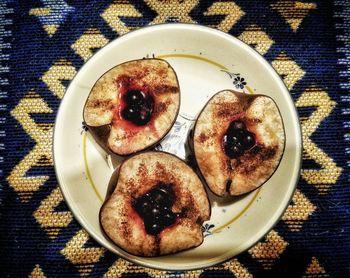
156	205
238	142
133	106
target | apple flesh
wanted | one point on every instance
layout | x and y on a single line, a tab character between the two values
133	106
238	142
155	205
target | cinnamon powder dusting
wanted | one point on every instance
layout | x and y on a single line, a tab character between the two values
101	103
252	159
162	175
125	226
163	88
227	110
142	171
203	137
160	108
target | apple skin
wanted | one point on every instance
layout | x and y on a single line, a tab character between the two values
136	176
102	111
227	176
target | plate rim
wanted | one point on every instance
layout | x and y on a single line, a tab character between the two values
285	201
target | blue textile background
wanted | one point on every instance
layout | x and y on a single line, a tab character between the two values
320	46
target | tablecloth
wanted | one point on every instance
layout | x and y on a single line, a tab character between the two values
43	43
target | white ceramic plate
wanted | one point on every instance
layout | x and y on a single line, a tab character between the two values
206	61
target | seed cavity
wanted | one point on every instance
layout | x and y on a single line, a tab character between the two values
237	139
139	107
154	208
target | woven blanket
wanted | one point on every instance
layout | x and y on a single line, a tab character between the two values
43	43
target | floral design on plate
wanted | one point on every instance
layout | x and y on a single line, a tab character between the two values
206	228
238	81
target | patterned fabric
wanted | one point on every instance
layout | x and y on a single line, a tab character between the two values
43	43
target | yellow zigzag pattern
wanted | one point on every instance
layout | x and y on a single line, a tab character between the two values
288	69
83	258
37	272
330	172
178	11
91	39
293	11
315	269
61	70
50	220
114	12
122	266
40	155
172	10
257	38
49	28
237	269
230	10
298	212
269	251
234	266
312	97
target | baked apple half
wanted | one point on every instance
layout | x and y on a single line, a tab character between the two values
155	205
238	142
133	106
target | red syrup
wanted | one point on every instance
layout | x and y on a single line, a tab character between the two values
126	84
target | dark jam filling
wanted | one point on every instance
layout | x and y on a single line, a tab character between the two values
154	207
138	107
237	139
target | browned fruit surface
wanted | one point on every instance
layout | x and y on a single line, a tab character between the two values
156	205
238	142
133	106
